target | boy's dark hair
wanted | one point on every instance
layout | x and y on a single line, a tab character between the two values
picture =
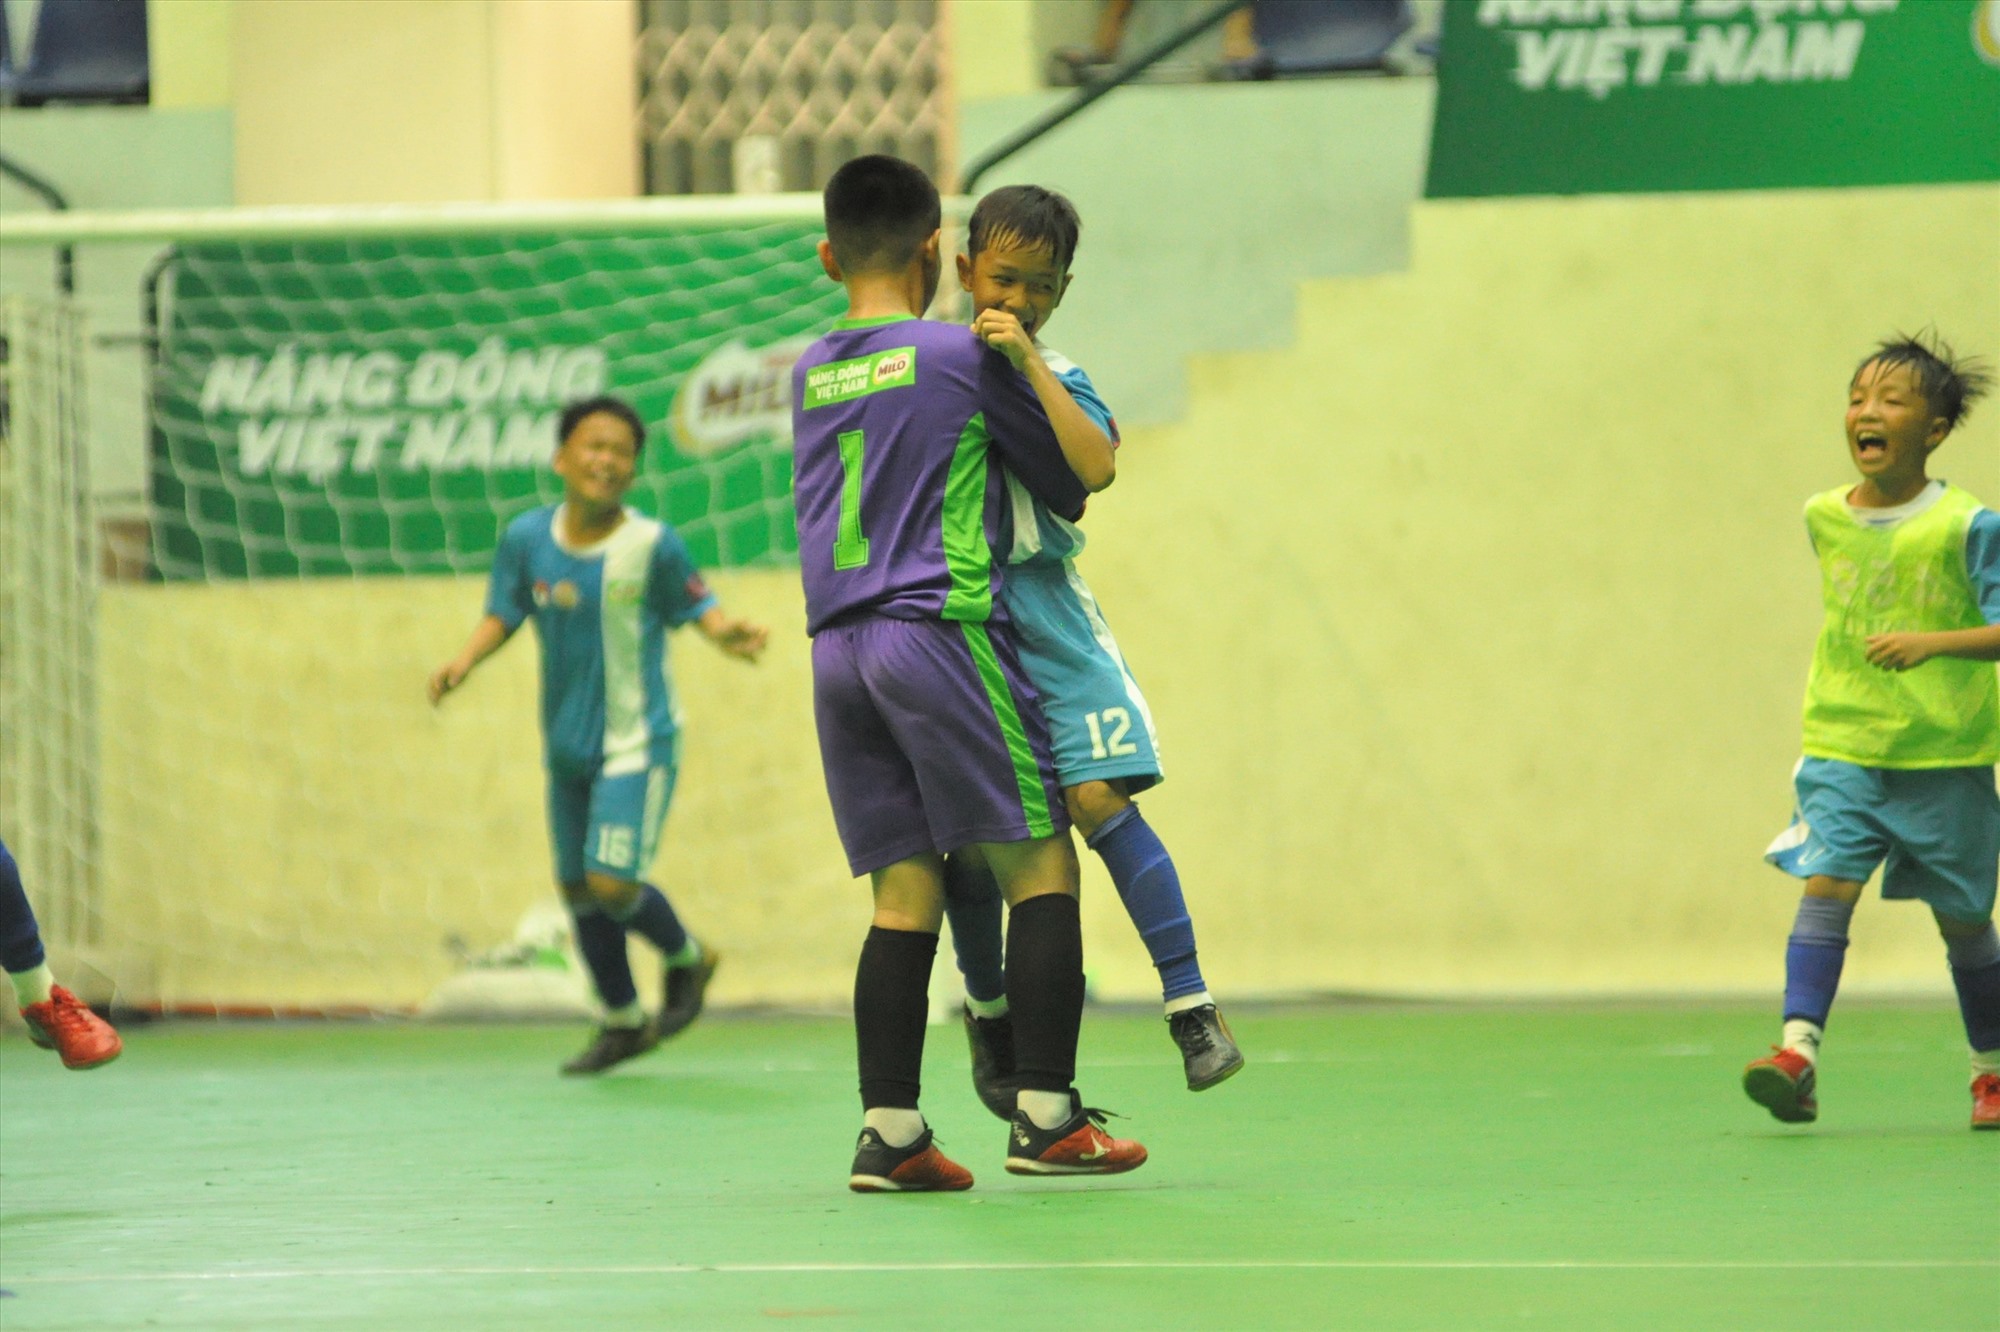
1029	216
572	417
1950	383
879	212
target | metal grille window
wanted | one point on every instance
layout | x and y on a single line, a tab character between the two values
757	96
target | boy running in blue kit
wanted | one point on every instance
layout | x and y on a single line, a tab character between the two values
928	732
1902	717
1020	242
604	585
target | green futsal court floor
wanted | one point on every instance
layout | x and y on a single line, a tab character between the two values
1373	1167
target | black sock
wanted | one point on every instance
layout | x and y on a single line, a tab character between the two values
891	1004
972	905
1045	990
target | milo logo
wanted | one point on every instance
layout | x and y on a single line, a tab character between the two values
839	381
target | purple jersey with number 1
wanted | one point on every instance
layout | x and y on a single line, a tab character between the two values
894	423
929	732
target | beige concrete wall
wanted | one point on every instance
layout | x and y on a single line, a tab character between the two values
424	101
288	821
1477	621
190	52
1475	624
992	45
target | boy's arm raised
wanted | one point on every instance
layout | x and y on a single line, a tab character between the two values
1025	438
1086	447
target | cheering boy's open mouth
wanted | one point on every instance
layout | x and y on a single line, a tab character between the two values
1871	444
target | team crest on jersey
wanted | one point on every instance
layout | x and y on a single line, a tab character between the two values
564	595
541	592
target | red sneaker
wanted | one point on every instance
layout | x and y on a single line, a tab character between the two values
62	1023
917	1168
1077	1146
1986	1101
1783	1083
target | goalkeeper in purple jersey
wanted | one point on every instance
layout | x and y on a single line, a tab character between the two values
604	585
929	734
1020	242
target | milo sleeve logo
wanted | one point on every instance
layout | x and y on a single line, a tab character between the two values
840	381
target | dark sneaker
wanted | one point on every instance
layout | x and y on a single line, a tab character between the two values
1077	1146
684	988
1986	1101
917	1168
1208	1051
613	1045
992	1042
64	1023
1783	1082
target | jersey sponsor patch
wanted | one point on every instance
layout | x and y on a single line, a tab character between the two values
842	381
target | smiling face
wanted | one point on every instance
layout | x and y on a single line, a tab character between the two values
1024	280
1891	430
598	462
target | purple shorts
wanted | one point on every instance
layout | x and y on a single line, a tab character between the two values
931	738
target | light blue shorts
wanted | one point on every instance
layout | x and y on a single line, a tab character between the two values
1938	829
1099	724
611	825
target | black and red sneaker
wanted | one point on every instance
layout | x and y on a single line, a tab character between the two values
1077	1146
917	1168
1986	1101
1783	1082
64	1023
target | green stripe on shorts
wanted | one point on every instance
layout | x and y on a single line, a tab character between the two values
1027	773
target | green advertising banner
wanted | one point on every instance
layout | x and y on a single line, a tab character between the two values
1611	96
386	407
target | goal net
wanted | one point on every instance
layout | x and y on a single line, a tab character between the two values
222	777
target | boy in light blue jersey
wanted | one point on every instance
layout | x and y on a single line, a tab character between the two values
604	585
1020	241
1902	718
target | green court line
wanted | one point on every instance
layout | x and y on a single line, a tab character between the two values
1374	1167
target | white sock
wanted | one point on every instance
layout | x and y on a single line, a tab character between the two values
1187	1001
1804	1037
626	1018
987	1008
898	1127
1984	1062
1046	1110
32	986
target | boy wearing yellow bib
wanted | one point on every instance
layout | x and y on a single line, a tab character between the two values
1902	717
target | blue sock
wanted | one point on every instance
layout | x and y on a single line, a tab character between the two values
652	918
1975	973
1151	890
972	905
601	940
1813	957
20	941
